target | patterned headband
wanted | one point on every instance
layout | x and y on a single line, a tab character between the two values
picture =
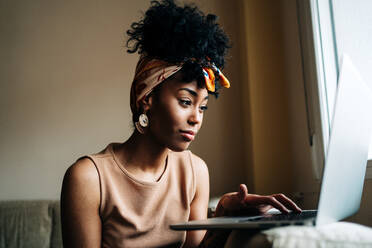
151	72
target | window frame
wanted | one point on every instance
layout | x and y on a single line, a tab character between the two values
320	73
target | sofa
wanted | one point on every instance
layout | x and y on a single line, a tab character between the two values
31	224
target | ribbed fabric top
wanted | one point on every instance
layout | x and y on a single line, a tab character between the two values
135	213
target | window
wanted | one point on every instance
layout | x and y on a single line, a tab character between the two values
328	29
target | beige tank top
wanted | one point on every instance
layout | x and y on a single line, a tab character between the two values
138	214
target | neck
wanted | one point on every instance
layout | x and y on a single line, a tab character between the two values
142	152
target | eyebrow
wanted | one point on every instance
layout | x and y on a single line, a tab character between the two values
192	92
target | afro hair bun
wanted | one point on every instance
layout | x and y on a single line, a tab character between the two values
178	34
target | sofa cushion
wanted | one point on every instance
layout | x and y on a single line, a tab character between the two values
339	234
25	224
56	238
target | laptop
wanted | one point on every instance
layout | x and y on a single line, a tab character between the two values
344	170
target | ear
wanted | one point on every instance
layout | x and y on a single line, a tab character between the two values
147	102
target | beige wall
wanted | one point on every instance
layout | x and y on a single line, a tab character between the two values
266	98
65	78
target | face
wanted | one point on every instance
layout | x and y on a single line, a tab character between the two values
176	113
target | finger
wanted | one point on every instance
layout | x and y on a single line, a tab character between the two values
287	202
243	192
275	203
264	208
244	187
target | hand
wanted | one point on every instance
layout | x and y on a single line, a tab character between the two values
242	203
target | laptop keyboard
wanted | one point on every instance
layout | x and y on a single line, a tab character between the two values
284	217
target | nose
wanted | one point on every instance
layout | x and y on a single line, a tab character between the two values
196	117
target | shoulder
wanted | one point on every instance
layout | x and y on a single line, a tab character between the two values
198	163
81	181
201	173
188	158
80	205
83	170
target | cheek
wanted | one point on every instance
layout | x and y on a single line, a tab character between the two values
167	119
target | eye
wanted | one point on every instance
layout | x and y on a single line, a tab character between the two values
185	102
204	108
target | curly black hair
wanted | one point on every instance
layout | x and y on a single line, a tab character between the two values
180	35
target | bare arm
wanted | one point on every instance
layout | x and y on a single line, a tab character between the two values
80	200
199	210
199	205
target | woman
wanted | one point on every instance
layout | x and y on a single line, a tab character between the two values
128	194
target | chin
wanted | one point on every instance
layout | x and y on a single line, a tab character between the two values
175	144
179	147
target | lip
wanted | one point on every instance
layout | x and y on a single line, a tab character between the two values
188	135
